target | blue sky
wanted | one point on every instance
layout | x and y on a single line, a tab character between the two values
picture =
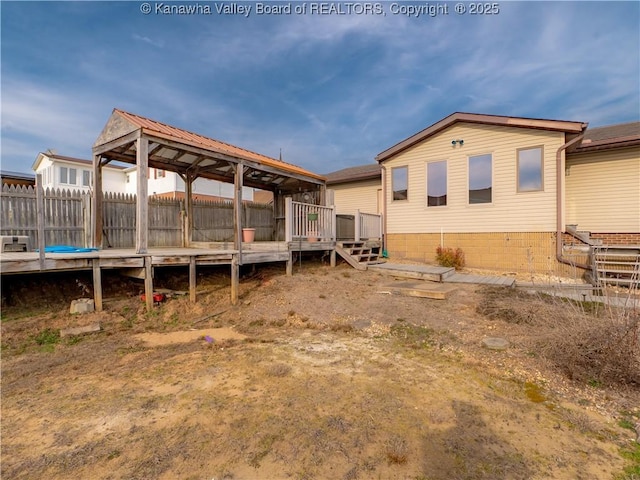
330	90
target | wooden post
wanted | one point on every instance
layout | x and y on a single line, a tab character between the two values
148	282
357	226
192	278
334	224
188	203
86	219
40	219
235	279
97	284
333	257
237	210
288	219
290	264
142	205
96	210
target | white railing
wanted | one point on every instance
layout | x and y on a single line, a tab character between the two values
368	226
309	222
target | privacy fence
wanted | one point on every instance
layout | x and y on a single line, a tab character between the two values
67	218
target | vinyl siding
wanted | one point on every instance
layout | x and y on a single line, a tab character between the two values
510	211
363	196
603	191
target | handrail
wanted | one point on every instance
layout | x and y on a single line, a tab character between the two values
305	221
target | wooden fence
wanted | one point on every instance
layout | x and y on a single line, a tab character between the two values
67	217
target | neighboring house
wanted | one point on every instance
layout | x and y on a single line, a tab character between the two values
504	189
77	174
356	188
60	172
17	178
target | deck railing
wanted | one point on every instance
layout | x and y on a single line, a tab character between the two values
309	222
368	226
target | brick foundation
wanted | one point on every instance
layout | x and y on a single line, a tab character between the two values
528	252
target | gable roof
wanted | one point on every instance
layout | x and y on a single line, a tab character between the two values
354	174
63	158
504	121
610	136
171	140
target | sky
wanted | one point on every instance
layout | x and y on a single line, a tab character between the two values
329	89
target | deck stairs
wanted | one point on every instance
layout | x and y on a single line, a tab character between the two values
360	254
616	265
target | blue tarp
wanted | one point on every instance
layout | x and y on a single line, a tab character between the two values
66	249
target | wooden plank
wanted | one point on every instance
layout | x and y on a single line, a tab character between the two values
437	291
97	284
40	217
142	212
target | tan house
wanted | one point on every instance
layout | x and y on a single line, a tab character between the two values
513	193
356	189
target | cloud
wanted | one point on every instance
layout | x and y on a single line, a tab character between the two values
155	43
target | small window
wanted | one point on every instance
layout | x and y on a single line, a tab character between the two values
72	176
86	178
480	181
530	169
399	183
436	184
64	175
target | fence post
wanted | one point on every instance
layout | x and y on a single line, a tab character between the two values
40	218
86	219
288	219
357	226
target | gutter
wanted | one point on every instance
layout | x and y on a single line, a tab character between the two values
559	205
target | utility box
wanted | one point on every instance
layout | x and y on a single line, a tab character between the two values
18	243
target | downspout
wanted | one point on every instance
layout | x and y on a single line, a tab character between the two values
559	226
384	207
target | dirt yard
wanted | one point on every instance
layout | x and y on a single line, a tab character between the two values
318	375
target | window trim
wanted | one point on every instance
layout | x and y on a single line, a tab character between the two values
535	147
426	172
393	191
469	157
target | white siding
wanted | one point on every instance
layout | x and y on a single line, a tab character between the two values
510	210
603	191
363	196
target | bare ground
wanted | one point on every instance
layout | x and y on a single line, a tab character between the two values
318	375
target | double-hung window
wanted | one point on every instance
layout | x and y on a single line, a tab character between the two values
437	184
480	179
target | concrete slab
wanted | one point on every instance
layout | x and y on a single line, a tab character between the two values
437	291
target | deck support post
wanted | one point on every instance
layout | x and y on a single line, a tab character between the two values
97	284
148	282
333	257
192	279
290	265
235	279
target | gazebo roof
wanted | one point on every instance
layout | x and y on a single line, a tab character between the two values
184	152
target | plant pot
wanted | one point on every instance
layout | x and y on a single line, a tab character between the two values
248	235
312	236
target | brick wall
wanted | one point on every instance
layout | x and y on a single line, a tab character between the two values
618	238
529	252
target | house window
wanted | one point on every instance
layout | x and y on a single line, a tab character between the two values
159	173
86	178
72	176
436	184
530	168
64	175
480	181
399	183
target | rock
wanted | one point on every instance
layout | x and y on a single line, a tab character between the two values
82	305
495	343
67	332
